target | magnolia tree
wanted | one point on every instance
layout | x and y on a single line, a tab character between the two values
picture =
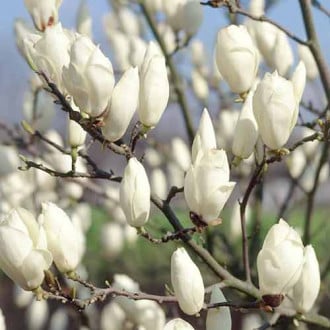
252	264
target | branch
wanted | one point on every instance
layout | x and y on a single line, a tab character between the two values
233	9
317	4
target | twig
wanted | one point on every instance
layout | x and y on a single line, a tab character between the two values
317	4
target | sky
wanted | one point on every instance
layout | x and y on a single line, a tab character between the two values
14	73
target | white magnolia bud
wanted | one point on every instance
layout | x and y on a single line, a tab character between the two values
154	87
158	183
26	263
221	315
187	282
50	53
135	194
153	5
112	239
257	7
172	10
59	319
63	238
298	80
246	130
44	13
121	108
191	17
275	109
84	20
112	317
200	86
205	136
149	315
178	324
307	288
180	153
128	21
9	160
296	163
280	260
307	57
77	135
168	36
207	186
37	314
237	58
89	77
282	54
138	48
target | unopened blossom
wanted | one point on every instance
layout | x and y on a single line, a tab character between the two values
180	153
89	77
154	87
135	194
191	17
84	20
112	317
279	262
63	239
37	314
49	53
307	288
9	160
275	109
207	186
178	324
77	135
158	183
237	58
298	80
246	130
187	282
24	256
44	13
205	136
112	239
121	108
220	315
307	57
200	86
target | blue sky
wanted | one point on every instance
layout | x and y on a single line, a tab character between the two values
15	73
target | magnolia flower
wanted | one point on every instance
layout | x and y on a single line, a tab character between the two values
298	80
178	324
135	194
207	186
180	153
44	13
246	131
279	262
221	315
187	282
148	315
154	87
121	108
128	21
63	238
307	288
307	57
205	136
237	58
191	17
200	86
172	10
37	314
112	239
158	183
112	317
24	256
89	77
49	53
275	109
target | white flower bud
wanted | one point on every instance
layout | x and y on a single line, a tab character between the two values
207	186
44	13
138	47
221	315
89	77
128	21
158	183
154	88
9	160
112	317
199	86
77	135
237	58
180	153
25	264
187	282
205	136
282	54
37	314
275	109
246	130
257	7
112	239
50	53
135	194
121	108
280	260
307	57
63	238
84	20
307	288
298	80
178	324
191	17
172	10
149	315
